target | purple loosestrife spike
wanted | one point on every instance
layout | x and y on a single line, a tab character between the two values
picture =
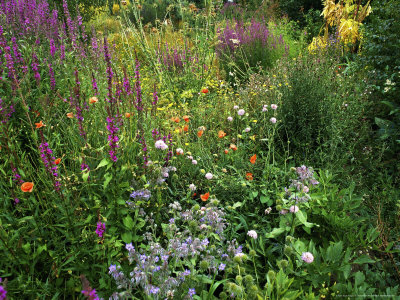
110	74
35	68
101	228
53	48
94	85
52	78
155	101
75	102
49	162
112	137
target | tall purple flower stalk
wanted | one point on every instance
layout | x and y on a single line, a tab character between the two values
52	78
5	112
35	68
49	162
112	137
155	101
101	228
75	102
112	118
94	85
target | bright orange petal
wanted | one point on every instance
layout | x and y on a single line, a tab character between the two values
253	159
205	196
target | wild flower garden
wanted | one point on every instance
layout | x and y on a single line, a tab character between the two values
201	149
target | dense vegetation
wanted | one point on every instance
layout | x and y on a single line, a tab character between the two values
199	150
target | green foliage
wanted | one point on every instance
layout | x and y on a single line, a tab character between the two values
87	8
322	108
379	56
295	9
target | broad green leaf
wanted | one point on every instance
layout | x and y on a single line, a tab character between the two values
275	232
104	162
265	199
127	237
303	219
128	222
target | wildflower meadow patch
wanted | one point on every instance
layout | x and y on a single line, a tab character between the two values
192	150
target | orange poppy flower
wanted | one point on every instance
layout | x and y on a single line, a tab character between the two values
127	115
57	161
93	100
186	118
204	91
233	147
27	187
186	128
253	159
39	125
70	115
249	176
176	120
226	151
221	134
200	133
205	196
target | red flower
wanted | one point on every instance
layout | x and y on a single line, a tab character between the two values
253	159
205	196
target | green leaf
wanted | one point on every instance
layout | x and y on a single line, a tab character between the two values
275	232
128	222
303	219
104	162
359	278
266	199
334	252
364	259
107	180
236	205
127	237
85	176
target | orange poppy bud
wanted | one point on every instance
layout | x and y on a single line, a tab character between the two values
204	91
57	161
186	128
177	120
93	100
253	159
233	147
39	125
200	133
249	176
127	115
27	187
226	151
70	115
205	196
221	134
186	118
